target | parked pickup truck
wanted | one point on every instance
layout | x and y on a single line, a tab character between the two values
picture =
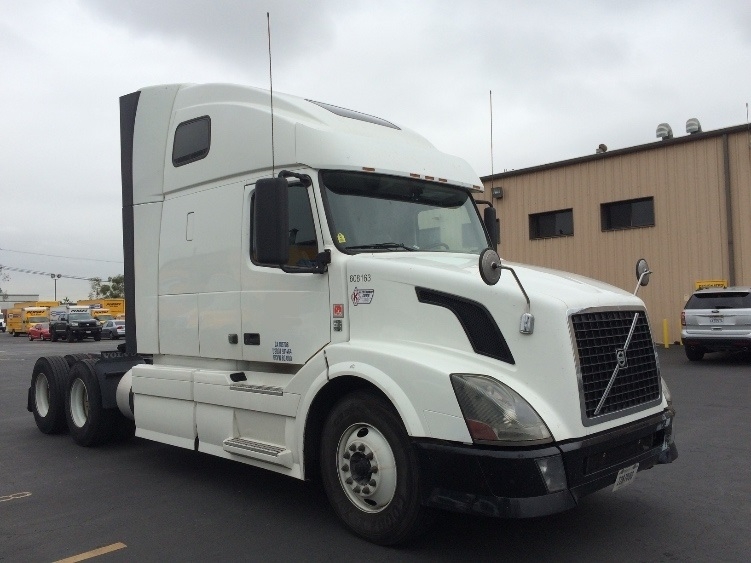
73	323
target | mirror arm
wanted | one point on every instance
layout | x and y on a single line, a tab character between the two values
641	277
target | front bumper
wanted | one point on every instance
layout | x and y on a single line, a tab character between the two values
508	483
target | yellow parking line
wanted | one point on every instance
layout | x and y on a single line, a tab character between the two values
93	553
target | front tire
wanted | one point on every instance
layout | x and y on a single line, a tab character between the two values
88	422
48	382
370	471
70	337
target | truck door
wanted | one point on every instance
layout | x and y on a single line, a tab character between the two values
285	316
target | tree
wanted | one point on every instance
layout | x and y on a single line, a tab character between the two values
3	278
114	288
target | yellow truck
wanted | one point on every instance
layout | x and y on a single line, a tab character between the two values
115	306
21	318
102	315
48	304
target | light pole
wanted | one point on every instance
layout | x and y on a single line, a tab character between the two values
54	277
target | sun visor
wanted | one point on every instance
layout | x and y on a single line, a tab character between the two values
386	151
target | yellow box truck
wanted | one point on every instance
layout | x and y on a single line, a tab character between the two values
114	306
21	318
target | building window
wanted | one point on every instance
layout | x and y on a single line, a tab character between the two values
551	224
628	214
192	141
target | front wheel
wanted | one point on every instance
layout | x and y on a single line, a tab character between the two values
370	471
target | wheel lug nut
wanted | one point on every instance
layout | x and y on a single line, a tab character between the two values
352	447
365	491
349	481
374	469
370	455
361	448
357	489
345	467
346	455
372	483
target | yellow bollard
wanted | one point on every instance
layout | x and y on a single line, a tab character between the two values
665	336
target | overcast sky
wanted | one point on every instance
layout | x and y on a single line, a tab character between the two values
565	77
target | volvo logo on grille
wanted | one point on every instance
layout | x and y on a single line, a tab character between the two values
620	356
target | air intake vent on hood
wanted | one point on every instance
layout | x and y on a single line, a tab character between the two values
478	324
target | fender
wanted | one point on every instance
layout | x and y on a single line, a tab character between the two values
409	415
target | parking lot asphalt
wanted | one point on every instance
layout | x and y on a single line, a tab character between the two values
143	501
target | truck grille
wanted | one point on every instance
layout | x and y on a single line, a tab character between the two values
599	335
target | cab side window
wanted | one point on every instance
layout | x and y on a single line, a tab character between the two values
303	244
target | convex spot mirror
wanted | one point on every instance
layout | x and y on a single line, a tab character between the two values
490	266
642	271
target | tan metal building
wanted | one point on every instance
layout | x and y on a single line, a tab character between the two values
682	203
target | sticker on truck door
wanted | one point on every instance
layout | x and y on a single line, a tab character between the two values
362	296
281	352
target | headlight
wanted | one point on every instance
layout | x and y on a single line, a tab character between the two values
495	413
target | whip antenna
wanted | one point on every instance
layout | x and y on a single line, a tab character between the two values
271	87
492	157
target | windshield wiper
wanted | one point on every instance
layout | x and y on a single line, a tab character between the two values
386	245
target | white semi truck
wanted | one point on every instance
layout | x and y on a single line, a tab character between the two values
321	299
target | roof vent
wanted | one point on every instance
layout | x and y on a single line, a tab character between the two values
664	131
693	126
602	148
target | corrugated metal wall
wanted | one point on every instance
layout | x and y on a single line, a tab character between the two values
689	241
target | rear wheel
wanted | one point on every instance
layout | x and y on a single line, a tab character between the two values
89	424
370	471
694	353
48	394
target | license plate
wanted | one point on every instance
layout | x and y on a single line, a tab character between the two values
626	476
716	320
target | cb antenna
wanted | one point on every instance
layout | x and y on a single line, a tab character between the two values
271	87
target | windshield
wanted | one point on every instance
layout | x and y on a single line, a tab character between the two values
370	212
80	317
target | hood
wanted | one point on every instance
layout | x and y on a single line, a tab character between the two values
459	274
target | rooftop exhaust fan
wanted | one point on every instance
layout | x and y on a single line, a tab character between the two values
693	126
664	131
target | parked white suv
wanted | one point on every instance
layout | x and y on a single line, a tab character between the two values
2	322
716	320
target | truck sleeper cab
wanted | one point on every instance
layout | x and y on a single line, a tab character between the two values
333	313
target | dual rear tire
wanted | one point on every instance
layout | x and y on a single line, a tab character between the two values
47	400
63	397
